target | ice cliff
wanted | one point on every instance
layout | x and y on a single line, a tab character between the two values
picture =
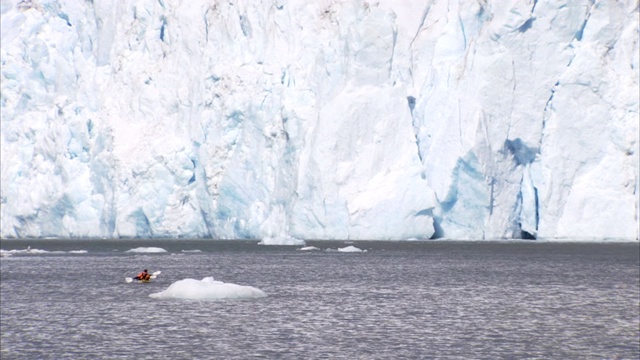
390	119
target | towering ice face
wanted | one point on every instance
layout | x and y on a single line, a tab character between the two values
320	120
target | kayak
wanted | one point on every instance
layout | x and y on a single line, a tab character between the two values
153	276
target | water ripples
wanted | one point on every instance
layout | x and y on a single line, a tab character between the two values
443	302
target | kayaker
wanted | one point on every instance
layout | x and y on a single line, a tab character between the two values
144	276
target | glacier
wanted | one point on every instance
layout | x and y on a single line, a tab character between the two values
332	119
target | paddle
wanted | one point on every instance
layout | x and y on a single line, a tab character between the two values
153	276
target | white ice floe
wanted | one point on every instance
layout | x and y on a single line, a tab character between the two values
30	251
351	248
308	248
208	289
147	250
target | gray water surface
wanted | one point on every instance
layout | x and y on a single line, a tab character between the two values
437	299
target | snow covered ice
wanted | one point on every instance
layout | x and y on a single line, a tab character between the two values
340	119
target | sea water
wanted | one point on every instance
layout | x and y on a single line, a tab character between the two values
393	300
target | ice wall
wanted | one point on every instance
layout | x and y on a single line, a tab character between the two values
320	120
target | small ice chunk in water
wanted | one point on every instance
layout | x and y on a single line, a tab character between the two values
350	248
148	250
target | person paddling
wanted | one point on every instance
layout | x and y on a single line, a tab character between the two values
144	276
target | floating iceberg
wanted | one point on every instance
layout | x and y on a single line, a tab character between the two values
350	248
30	251
208	289
147	250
